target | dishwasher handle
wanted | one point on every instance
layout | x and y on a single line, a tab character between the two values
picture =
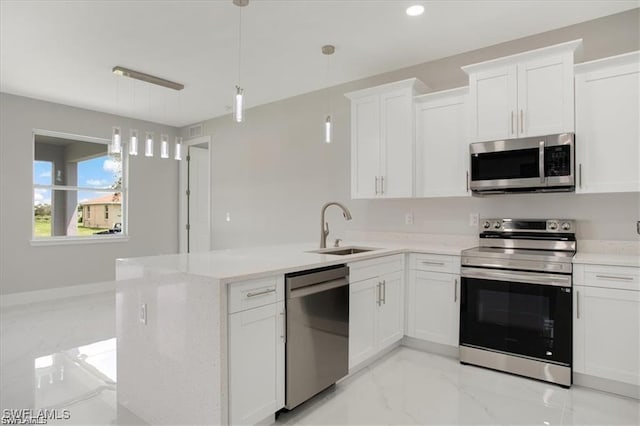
317	288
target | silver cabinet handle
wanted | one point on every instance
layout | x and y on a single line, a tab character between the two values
541	161
455	290
376	185
614	277
378	293
426	262
382	185
580	175
521	121
467	181
578	304
512	130
284	325
384	291
262	293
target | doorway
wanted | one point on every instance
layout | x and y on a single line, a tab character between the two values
195	190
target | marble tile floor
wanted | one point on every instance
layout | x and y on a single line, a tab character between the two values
62	355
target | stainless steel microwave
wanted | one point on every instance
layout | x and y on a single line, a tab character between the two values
540	164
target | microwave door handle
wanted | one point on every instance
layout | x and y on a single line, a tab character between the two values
541	161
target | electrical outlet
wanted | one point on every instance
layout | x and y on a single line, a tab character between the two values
408	219
143	313
473	219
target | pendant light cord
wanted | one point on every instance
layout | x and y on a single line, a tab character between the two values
328	85
239	43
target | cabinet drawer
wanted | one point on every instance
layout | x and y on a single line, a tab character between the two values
615	277
434	263
254	293
366	269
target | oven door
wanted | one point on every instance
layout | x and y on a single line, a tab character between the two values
522	313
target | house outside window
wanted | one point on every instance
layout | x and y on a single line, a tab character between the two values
79	188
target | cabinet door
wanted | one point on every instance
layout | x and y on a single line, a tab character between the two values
363	304
606	336
365	146
493	104
391	309
256	382
607	130
397	144
442	147
434	308
545	96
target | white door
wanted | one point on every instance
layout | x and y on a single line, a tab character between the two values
434	307
607	129
365	147
391	309
442	147
199	233
545	96
256	363
396	176
493	104
363	304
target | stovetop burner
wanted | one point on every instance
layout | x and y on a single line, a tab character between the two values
546	245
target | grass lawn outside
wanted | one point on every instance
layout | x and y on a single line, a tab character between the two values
43	228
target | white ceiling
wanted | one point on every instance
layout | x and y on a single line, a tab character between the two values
63	51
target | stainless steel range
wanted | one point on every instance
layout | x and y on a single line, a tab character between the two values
515	306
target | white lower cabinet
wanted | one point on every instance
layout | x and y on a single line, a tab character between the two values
606	341
433	298
434	307
256	363
376	307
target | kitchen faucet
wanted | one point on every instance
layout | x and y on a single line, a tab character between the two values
324	226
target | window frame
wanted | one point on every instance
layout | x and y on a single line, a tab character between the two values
124	194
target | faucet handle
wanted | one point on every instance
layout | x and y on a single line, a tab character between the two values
326	229
337	242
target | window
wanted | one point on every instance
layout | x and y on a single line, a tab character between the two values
74	177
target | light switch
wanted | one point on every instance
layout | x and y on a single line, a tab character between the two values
473	219
408	219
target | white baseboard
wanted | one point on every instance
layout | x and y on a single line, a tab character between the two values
431	347
36	296
606	385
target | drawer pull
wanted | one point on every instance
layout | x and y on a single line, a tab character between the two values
425	262
613	277
578	305
262	293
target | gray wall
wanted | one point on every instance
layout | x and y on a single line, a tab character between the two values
272	173
153	200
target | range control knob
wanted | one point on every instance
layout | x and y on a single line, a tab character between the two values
566	226
486	224
497	225
553	226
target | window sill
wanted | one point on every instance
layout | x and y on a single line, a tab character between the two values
62	241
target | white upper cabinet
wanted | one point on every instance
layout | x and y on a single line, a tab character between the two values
382	140
528	94
442	144
607	124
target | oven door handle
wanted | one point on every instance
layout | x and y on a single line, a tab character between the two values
517	276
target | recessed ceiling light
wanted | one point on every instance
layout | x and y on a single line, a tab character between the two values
415	10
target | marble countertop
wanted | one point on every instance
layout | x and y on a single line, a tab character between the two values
247	263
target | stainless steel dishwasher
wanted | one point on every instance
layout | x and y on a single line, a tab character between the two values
317	349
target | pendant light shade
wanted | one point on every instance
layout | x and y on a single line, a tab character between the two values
116	141
148	145
327	130
164	146
238	105
178	148
133	142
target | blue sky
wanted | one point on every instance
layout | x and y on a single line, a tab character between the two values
99	172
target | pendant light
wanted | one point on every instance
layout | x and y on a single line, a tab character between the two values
164	146
116	140
178	148
328	50
238	101
148	145
133	142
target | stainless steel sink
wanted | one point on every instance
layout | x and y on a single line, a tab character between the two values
343	251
